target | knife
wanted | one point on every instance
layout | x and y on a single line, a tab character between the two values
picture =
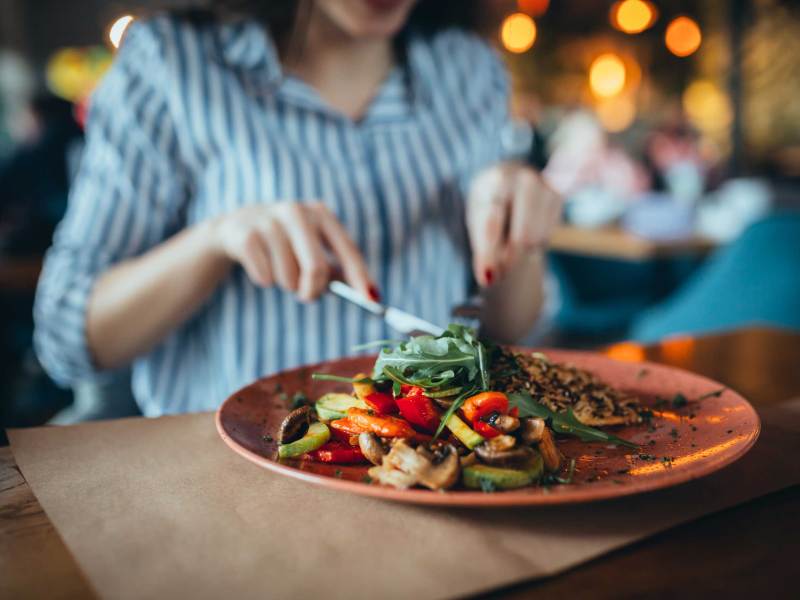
399	320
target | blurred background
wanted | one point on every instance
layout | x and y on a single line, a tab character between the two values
672	129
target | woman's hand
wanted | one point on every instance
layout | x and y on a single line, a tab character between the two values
294	245
511	213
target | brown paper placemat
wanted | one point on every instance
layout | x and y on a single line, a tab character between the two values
161	508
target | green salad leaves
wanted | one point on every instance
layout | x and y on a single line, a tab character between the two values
454	359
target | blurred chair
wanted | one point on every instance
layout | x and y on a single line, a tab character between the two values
754	280
601	297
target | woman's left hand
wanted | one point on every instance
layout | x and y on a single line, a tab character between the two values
511	212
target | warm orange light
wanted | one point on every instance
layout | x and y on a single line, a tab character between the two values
616	114
117	30
632	16
683	36
707	106
627	351
518	32
607	75
703	454
534	8
678	350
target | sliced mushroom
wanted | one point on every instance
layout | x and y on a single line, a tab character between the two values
295	425
371	447
504	458
434	476
501	443
532	430
468	460
550	454
386	475
445	474
505	423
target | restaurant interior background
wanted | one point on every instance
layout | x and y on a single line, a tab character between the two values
672	128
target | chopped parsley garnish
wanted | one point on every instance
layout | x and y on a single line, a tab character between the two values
647	456
299	399
337	473
714	394
487	485
366	479
679	401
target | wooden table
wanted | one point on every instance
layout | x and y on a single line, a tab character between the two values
615	242
745	549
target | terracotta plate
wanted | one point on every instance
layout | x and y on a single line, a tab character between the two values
681	443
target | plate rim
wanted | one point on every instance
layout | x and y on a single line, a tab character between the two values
602	491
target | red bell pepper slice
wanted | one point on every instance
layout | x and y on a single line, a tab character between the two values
484	404
337	452
485	429
411	390
419	410
381	403
343	436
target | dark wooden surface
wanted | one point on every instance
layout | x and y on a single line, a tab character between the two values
744	551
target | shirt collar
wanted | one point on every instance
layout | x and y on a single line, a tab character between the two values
248	48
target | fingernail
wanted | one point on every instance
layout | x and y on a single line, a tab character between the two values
489	274
374	294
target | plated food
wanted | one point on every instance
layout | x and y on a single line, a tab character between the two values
452	411
683	425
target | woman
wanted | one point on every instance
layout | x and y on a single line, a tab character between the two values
307	140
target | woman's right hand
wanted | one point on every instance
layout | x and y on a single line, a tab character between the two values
294	245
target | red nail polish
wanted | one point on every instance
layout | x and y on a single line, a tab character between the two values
489	276
374	294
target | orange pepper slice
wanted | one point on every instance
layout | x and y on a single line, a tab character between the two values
380	425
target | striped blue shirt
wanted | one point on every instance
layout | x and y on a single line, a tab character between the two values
194	121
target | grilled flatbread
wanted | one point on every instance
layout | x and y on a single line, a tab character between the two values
562	386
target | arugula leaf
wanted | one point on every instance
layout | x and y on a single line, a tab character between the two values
564	423
455	358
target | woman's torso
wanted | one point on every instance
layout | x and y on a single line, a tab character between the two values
247	134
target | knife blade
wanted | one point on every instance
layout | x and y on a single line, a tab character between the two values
399	320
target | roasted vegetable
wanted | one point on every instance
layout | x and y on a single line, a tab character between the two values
479	476
334	406
317	435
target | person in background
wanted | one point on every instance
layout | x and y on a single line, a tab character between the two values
239	159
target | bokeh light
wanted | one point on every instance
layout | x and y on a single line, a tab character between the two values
683	36
117	30
616	114
72	73
633	16
534	8
518	32
607	75
707	106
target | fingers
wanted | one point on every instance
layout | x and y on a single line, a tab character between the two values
285	269
255	259
486	221
303	236
512	213
345	252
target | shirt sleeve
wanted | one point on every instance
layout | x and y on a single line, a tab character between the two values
127	197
